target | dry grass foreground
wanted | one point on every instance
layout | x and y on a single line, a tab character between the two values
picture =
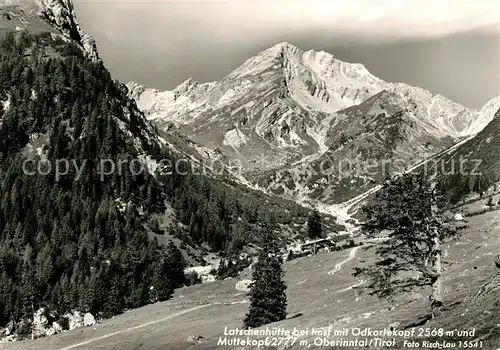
323	299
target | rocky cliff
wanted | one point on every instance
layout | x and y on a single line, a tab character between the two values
56	16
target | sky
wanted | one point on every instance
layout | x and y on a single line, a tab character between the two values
451	47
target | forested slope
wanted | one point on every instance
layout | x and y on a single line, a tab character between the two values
79	240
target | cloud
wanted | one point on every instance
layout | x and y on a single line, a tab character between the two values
231	20
421	42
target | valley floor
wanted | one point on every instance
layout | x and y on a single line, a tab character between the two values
321	293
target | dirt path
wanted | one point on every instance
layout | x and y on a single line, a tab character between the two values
338	266
135	327
360	283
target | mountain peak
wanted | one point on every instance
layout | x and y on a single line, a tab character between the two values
312	81
282	46
47	16
487	113
277	51
61	15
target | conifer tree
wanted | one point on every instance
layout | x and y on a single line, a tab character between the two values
315	225
410	258
268	290
162	287
175	265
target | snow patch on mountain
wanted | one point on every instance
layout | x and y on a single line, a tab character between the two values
235	138
485	115
6	104
339	84
183	103
436	112
235	92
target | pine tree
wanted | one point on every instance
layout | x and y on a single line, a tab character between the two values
162	287
406	208
315	225
29	294
268	290
175	264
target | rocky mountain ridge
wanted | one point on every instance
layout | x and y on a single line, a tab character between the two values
287	109
56	16
315	80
